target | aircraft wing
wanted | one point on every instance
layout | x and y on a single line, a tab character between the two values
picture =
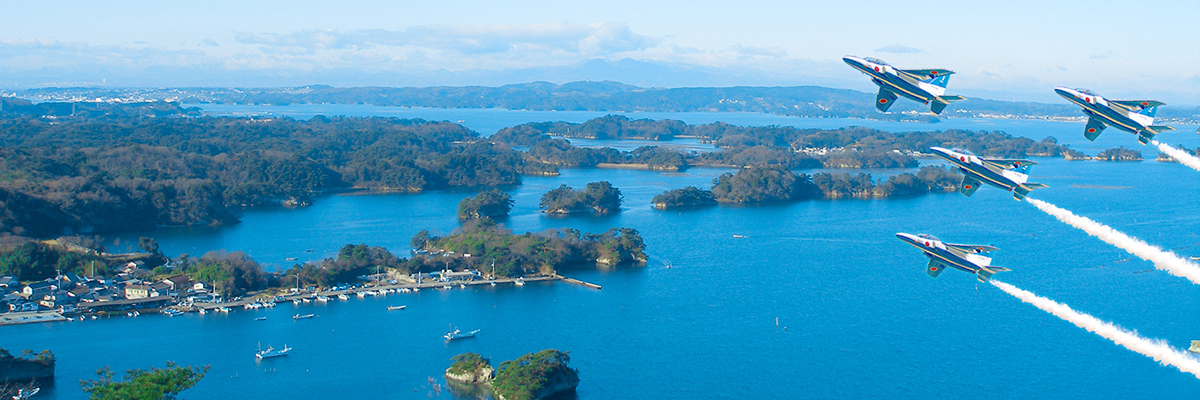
1136	105
1007	163
926	74
885	98
971	248
1093	129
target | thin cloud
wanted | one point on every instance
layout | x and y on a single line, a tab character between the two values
751	51
1101	56
897	48
592	39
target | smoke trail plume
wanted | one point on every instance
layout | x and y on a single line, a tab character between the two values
1179	155
1157	349
1164	260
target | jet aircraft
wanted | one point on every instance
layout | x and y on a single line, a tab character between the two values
1134	116
961	256
1007	174
923	85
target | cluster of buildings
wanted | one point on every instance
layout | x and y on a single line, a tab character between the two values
71	294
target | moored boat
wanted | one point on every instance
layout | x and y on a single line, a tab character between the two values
390	308
305	316
271	352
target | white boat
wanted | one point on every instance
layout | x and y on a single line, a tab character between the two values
390	308
296	302
203	311
416	289
271	352
261	319
458	334
305	300
361	294
223	309
462	286
343	296
305	316
520	281
322	298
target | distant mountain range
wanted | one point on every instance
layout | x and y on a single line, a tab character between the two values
803	101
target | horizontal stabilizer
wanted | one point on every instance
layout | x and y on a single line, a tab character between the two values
1160	128
952	98
1010	164
986	272
971	248
1035	185
939	103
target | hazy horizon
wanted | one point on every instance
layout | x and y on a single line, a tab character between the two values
1015	51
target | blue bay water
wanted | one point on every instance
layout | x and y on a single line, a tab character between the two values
857	317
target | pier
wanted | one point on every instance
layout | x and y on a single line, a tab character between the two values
574	281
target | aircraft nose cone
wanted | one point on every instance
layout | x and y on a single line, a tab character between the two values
941	152
853	61
1064	92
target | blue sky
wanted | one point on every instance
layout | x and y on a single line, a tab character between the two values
1011	50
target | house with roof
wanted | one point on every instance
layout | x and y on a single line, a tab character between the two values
36	290
8	283
135	291
177	283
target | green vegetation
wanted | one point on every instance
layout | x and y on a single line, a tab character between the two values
34	260
599	197
530	253
535	375
687	197
490	204
231	273
1119	154
467	363
763	185
353	260
127	171
154	384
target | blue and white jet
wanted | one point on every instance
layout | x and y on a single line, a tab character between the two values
965	257
1133	116
1008	174
924	85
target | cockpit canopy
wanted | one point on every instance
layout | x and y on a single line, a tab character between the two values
1084	91
963	151
928	236
875	60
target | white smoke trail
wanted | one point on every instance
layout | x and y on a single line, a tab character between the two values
1157	349
1179	155
1164	260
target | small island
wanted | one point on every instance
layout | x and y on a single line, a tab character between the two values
598	197
490	204
776	184
533	376
1119	154
690	196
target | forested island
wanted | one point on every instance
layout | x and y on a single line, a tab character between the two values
533	376
23	369
597	197
490	204
690	196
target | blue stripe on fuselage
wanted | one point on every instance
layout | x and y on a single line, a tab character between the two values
1108	115
956	264
902	88
990	177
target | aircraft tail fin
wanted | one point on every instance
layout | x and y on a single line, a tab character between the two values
935	268
939	80
1149	111
986	272
939	103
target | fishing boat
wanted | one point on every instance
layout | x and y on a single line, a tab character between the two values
271	352
392	308
343	296
322	299
520	281
305	316
296	302
458	334
261	319
223	309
